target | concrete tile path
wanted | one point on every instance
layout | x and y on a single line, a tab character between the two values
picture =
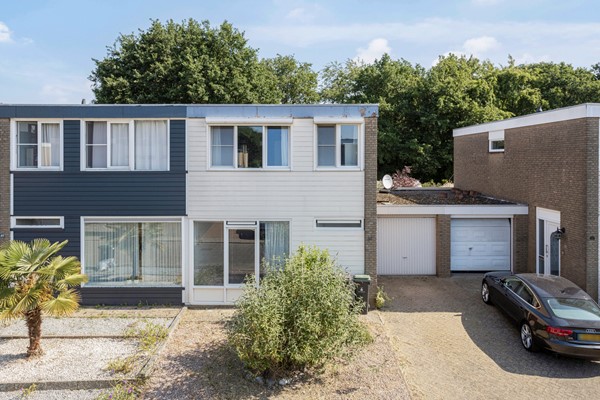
453	346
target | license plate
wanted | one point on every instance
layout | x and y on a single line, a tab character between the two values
589	337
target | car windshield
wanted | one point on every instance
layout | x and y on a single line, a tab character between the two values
581	309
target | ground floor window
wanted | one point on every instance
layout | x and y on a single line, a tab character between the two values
225	253
142	253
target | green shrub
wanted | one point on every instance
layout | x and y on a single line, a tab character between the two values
381	297
300	317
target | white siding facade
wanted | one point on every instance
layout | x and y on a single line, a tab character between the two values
300	195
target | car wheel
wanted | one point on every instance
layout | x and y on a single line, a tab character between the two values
485	293
527	339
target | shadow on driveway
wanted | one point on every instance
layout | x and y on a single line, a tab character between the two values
485	326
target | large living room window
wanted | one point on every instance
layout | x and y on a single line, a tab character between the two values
128	145
38	145
249	147
133	253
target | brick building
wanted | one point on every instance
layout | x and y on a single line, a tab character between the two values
549	162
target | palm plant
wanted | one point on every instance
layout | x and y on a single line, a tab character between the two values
34	280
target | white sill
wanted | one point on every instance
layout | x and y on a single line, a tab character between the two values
55	169
329	169
229	169
496	151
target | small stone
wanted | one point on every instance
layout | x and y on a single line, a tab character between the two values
271	382
259	380
284	381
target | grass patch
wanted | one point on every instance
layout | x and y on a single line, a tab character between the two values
122	365
149	335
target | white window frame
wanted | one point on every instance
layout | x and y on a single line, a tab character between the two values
127	219
253	224
13	223
264	147
131	134
495	136
338	143
14	144
337	223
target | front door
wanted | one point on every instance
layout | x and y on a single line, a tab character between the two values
548	245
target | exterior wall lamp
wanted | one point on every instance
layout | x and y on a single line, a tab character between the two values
558	234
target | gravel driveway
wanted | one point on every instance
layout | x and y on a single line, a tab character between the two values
453	346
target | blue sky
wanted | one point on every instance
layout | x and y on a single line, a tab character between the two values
46	47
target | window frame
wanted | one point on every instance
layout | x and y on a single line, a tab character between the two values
131	142
14	144
130	219
496	137
249	224
338	145
14	225
339	223
265	129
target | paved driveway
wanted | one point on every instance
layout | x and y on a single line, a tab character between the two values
453	346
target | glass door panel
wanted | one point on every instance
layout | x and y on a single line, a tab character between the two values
242	254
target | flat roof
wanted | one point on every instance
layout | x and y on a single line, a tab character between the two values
437	196
188	110
586	110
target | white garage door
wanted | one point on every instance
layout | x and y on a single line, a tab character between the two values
406	246
480	244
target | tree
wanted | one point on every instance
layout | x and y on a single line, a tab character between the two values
296	82
183	63
562	85
34	280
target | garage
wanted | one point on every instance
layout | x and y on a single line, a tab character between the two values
480	244
406	246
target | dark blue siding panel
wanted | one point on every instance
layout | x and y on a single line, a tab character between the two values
73	193
99	193
70	233
71	131
131	296
177	156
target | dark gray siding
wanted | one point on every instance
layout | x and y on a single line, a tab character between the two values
73	193
131	296
103	193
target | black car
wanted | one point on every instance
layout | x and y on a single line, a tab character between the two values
552	312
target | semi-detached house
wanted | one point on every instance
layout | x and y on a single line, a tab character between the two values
179	203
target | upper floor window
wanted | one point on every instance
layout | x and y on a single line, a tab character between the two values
250	147
337	145
108	145
496	141
38	145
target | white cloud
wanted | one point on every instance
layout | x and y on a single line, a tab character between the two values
305	13
527	58
559	41
375	49
5	33
66	90
478	46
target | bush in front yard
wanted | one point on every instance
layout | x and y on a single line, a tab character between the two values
301	316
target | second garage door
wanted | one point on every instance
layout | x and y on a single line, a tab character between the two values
480	244
406	246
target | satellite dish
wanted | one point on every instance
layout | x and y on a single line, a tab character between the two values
387	181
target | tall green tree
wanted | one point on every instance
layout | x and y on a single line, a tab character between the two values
456	92
34	280
188	62
295	81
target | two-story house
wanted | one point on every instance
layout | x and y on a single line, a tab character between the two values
548	161
179	203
